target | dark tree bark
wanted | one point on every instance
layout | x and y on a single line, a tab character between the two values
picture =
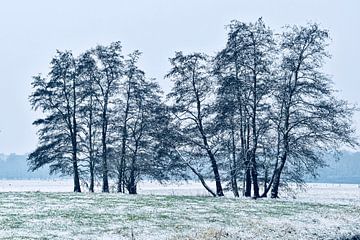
190	74
132	181
74	138
247	180
234	166
215	168
121	170
201	178
105	186
91	148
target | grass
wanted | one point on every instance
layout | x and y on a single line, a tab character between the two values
112	216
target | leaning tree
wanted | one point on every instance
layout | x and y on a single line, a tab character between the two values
310	120
191	99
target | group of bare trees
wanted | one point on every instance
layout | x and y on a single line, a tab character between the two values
100	119
256	116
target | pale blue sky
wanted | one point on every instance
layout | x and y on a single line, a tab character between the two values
31	31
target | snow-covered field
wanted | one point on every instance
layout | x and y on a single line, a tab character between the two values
48	210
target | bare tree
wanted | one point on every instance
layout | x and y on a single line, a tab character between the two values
245	68
57	97
310	120
133	79
89	120
110	63
192	98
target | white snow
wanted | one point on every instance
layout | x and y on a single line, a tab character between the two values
48	210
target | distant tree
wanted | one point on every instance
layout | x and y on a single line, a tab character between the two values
229	125
143	128
244	70
109	61
89	115
191	99
311	121
133	79
58	99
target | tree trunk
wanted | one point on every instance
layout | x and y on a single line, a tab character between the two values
132	183
91	149
132	187
234	184
277	177
121	171
233	166
92	178
74	157
254	173
255	181
247	180
219	190
105	187
247	161
74	142
120	188
275	186
76	174
285	149
201	178
265	182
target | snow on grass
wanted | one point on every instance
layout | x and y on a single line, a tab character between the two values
323	212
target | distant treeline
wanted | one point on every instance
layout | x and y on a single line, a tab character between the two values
256	115
15	166
344	170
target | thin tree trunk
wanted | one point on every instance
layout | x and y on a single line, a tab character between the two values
246	184
91	148
265	182
132	183
275	186
74	143
278	171
76	174
92	178
234	167
254	176
247	174
277	177
120	180
219	190
268	187
254	173
123	142
105	187
247	162
201	178
132	180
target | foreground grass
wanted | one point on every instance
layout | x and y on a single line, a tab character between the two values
112	216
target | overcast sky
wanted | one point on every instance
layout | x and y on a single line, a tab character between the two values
31	31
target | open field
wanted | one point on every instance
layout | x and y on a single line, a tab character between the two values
328	212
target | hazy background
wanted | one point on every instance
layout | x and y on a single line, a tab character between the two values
31	31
